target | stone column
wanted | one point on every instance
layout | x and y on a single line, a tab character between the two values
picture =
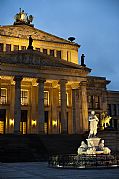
84	106
41	117
63	106
17	106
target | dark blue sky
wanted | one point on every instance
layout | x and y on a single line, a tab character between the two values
94	24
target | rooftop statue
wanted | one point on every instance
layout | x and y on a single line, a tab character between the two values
23	18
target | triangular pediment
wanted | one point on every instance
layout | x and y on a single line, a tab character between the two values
23	31
37	59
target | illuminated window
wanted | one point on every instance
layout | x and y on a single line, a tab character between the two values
16	47
58	53
45	51
1	47
23	47
8	47
52	53
46	98
3	96
24	97
67	96
38	49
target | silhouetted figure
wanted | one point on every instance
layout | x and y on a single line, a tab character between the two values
30	43
82	60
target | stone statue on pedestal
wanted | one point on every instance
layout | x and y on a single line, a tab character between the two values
95	145
93	124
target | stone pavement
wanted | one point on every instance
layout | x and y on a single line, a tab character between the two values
40	170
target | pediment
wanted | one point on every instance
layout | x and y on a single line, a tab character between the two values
37	59
23	31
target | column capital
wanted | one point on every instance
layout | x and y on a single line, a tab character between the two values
18	78
83	83
41	80
62	81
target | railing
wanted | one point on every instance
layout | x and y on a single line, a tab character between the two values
84	161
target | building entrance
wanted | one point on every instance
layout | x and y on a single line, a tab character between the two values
23	122
2	120
46	122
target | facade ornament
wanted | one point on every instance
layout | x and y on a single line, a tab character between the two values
23	18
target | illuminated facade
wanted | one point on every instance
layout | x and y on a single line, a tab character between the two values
44	90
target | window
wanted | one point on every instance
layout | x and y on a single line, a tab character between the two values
58	53
109	109
90	102
8	47
24	97
52	52
3	96
93	102
97	102
16	47
46	98
68	56
114	111
23	47
66	99
45	51
38	49
118	109
1	47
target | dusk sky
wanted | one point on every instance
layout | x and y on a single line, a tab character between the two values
94	24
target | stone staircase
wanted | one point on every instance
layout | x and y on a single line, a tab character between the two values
111	139
26	148
23	148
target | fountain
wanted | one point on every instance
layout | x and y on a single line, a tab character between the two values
95	145
94	154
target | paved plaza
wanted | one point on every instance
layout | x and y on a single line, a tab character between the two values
40	170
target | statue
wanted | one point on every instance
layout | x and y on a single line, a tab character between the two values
30	43
82	60
23	18
95	145
105	120
93	124
82	149
102	147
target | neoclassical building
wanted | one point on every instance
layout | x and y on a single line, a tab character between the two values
43	89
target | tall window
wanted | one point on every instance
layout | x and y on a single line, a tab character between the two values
16	47
3	96
90	102
23	47
67	99
24	97
109	109
97	102
8	47
46	98
52	52
1	47
114	111
45	51
93	102
58	53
